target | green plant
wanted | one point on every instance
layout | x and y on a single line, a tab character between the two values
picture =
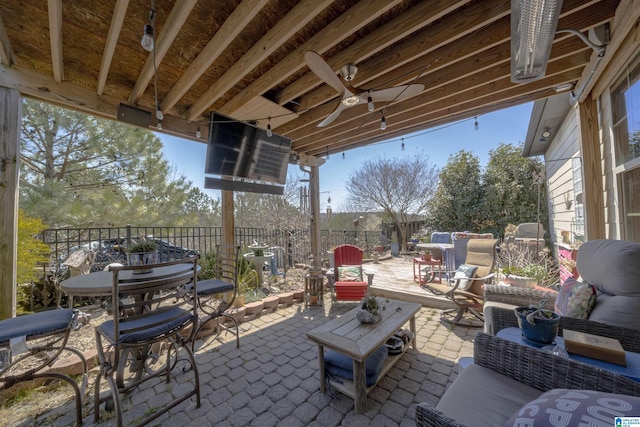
248	278
372	305
142	246
533	312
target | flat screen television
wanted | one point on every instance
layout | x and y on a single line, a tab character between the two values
241	150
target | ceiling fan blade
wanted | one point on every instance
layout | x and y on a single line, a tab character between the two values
331	117
321	69
397	93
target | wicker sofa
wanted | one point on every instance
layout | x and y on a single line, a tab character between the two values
612	267
506	376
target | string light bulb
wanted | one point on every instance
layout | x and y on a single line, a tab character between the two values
159	125
383	123
475	125
370	105
198	133
148	34
343	155
402	144
147	38
269	133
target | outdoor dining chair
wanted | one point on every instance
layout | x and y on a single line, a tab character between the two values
149	334
31	343
347	282
215	295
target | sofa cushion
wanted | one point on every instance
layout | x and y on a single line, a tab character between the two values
613	268
575	299
565	407
480	396
342	366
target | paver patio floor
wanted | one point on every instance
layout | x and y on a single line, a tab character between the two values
272	379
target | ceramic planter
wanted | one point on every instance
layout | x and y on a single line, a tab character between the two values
544	329
143	258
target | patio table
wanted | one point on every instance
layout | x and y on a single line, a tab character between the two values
348	336
448	256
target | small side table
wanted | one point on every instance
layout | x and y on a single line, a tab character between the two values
428	276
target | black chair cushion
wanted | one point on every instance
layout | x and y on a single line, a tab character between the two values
213	286
149	327
35	324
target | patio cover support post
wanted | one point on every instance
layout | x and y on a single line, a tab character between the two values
592	170
228	221
314	196
10	114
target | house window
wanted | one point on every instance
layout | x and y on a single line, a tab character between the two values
625	101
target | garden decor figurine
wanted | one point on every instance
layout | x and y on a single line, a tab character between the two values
539	325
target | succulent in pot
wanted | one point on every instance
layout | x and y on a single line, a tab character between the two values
539	325
141	253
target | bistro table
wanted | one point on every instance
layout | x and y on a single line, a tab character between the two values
100	284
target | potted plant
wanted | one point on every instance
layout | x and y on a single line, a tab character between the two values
539	325
141	253
370	310
426	256
247	281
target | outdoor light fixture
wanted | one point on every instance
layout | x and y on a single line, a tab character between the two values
198	133
546	133
269	133
476	126
147	38
383	122
533	25
370	105
147	41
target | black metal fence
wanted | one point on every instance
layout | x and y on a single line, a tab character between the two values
108	243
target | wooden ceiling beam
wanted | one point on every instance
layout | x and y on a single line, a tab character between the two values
282	31
6	51
117	19
346	24
478	53
176	19
458	102
410	21
481	69
232	26
55	38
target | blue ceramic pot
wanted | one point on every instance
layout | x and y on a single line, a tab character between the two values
543	331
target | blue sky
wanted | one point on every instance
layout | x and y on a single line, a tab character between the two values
508	126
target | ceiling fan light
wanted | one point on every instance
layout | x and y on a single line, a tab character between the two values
350	101
533	26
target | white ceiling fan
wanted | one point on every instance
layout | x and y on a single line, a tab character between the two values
351	96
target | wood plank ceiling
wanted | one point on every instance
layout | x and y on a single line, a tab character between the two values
245	58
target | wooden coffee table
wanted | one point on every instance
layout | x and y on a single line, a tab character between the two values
348	336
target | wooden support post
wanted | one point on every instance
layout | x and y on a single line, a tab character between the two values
9	166
592	170
228	221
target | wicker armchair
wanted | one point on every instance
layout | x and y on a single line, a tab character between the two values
534	368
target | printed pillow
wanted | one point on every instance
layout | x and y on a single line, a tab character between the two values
351	273
575	299
465	272
564	407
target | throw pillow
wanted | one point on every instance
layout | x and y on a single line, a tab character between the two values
465	272
564	407
351	273
575	299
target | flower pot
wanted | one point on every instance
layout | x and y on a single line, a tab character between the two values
143	258
395	248
238	301
426	257
520	281
543	331
313	299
